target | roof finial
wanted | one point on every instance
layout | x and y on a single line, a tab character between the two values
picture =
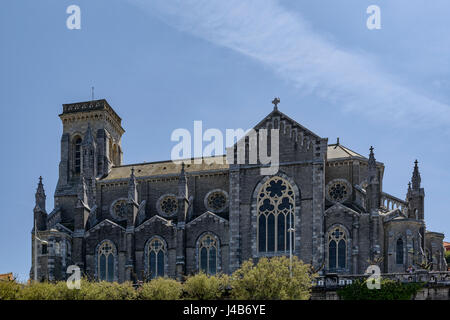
182	183
132	190
40	195
92	93
372	174
337	142
275	102
415	181
372	162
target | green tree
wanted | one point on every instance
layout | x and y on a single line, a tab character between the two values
389	290
161	289
204	287
9	290
270	279
105	291
45	291
447	257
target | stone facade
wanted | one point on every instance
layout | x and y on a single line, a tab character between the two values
132	222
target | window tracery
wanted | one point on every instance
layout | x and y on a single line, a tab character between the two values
276	207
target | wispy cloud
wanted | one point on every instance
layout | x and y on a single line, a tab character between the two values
266	31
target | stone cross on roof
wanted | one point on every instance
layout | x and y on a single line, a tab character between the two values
275	102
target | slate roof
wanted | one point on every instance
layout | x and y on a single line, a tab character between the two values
169	167
161	168
338	151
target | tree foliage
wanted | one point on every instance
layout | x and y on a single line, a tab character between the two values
161	289
447	257
267	279
271	279
106	291
204	287
9	290
389	290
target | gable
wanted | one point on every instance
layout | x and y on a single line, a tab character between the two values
290	124
104	223
296	142
339	208
205	216
156	219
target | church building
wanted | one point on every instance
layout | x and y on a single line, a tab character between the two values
129	222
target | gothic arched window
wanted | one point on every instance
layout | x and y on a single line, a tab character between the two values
156	258
208	253
399	252
77	156
276	207
337	249
106	257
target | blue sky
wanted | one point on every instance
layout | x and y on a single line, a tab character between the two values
163	64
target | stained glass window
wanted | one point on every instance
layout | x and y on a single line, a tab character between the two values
208	254
216	201
332	255
276	205
337	249
338	190
156	256
169	205
106	257
120	209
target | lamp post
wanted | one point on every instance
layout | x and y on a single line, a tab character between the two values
290	230
35	249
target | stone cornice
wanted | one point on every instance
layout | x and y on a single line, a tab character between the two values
91	110
101	104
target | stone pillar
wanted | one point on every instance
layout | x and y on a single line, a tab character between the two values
375	246
409	249
318	202
64	167
181	251
78	248
51	259
355	246
389	264
129	265
234	231
81	216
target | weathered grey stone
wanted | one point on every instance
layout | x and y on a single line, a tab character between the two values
104	201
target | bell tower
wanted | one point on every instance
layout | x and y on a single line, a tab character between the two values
90	147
